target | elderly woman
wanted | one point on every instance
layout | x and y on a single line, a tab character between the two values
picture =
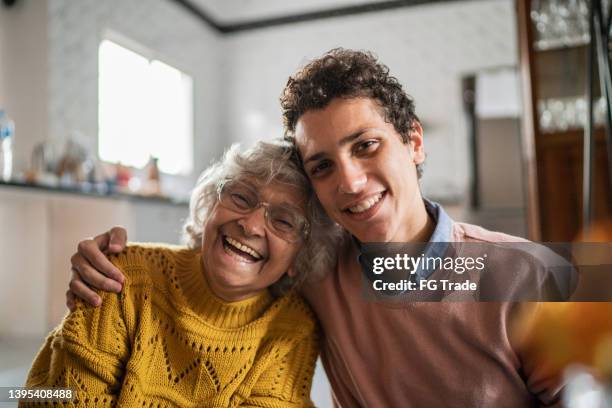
214	324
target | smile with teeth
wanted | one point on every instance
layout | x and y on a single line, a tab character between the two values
241	249
365	204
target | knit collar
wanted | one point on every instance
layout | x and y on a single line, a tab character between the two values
202	301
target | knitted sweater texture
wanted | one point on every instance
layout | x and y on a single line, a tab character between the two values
167	340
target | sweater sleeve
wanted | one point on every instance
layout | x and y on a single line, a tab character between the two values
87	352
288	383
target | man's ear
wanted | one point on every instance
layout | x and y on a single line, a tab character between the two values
417	149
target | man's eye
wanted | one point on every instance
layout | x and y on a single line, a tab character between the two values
320	168
366	146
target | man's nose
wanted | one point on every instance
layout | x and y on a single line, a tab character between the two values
253	223
352	177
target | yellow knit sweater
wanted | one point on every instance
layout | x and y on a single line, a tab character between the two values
166	340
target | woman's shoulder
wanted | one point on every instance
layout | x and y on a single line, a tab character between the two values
150	259
291	313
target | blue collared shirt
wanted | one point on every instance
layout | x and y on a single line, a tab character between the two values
438	242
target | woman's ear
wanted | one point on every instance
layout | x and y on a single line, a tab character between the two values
291	271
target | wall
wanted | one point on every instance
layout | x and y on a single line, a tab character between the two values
429	48
160	26
501	189
499	154
23	73
239	77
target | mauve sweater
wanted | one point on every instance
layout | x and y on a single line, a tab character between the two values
417	354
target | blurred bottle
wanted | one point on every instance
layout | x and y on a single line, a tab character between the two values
7	133
152	184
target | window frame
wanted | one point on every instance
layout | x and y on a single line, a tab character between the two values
150	55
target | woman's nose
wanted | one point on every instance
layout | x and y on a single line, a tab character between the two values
253	223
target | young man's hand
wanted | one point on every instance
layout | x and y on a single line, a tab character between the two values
92	270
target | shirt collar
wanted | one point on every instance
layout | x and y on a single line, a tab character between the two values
442	232
440	239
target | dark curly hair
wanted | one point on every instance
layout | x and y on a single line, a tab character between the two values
342	73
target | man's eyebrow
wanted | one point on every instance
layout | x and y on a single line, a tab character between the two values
348	139
345	140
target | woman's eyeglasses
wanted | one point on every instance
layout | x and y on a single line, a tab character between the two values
285	221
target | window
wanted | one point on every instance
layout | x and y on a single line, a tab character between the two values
145	108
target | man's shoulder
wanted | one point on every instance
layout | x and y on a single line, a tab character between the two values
464	232
540	271
538	252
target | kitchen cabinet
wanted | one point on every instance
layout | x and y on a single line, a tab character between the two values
39	233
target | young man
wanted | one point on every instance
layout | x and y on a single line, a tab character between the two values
361	145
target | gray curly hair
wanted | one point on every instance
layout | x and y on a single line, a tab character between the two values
268	162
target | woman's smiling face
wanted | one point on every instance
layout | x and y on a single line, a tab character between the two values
241	254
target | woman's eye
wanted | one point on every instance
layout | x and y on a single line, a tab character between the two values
284	224
241	200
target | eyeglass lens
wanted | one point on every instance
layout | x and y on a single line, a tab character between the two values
284	220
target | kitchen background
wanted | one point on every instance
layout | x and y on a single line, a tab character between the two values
458	59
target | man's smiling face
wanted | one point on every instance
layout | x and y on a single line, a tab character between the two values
361	171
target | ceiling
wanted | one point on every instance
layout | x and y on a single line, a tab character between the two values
239	11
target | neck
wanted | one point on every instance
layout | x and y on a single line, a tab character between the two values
230	295
420	227
203	300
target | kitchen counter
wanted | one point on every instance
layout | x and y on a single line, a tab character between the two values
89	190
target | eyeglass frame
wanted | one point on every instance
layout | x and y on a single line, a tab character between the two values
303	235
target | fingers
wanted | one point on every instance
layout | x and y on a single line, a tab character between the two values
118	239
79	289
101	240
70	300
93	266
95	273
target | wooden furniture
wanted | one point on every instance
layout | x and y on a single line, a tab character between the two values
553	158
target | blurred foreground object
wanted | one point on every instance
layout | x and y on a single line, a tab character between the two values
562	334
574	339
600	231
